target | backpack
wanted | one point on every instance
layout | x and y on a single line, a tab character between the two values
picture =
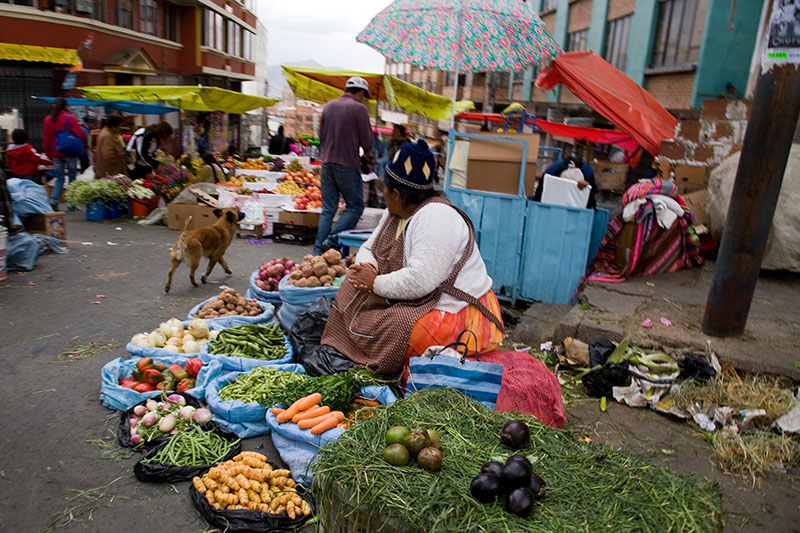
67	143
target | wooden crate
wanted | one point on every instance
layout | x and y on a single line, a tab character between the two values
293	233
53	224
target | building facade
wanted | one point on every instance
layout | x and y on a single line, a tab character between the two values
298	117
119	42
682	51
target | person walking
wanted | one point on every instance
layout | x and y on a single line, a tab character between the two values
64	142
344	128
143	145
112	159
278	144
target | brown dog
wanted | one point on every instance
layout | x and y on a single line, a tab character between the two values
211	242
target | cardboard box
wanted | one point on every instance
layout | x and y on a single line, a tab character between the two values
610	176
202	216
691	175
494	165
696	201
52	224
310	220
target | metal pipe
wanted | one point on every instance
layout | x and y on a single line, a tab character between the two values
765	150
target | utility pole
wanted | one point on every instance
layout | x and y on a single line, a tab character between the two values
767	141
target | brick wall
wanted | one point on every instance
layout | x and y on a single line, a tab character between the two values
580	15
620	8
700	145
673	91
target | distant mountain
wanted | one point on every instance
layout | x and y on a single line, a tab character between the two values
277	83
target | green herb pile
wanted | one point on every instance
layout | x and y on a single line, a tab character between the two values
337	390
194	447
250	340
259	384
589	487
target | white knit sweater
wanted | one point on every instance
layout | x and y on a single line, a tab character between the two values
435	239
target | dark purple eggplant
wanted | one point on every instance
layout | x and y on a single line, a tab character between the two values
515	434
520	502
485	487
492	467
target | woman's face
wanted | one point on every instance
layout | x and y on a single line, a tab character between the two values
393	202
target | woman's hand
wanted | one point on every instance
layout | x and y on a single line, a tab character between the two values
362	276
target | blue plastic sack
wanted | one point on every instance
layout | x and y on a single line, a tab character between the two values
270	297
114	396
478	380
244	419
295	300
27	197
22	251
246	364
141	351
297	447
238	320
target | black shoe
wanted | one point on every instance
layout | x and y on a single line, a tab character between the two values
327	245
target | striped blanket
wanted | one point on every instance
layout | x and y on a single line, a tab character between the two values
642	248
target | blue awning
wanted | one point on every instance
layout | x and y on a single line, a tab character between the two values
136	108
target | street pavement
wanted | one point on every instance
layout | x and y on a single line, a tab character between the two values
110	286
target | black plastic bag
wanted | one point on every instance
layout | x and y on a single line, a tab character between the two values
599	351
601	381
246	520
124	426
159	473
325	360
693	367
306	332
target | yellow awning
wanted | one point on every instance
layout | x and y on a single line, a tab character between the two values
44	54
188	98
323	85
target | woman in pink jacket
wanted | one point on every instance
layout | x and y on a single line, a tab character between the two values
60	121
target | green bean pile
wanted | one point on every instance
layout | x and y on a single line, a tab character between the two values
259	384
194	447
251	340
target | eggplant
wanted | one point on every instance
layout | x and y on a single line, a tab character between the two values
520	457
485	487
492	467
515	434
520	502
515	474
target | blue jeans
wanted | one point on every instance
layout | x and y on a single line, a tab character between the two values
335	180
62	165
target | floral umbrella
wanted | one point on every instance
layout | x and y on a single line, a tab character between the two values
461	35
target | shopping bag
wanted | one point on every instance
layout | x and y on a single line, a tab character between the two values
67	143
444	366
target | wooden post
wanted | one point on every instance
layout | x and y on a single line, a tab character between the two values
767	141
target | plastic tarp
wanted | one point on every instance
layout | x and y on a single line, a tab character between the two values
297	299
186	97
43	54
136	108
297	447
323	85
114	396
245	419
614	95
236	320
27	198
253	291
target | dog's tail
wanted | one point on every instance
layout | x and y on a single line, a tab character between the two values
188	223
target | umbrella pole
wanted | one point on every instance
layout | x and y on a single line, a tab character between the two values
457	67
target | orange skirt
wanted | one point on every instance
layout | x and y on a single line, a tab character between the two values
438	328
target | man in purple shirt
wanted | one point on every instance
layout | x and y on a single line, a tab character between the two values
343	128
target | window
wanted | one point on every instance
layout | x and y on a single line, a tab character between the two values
619	34
230	26
171	22
679	33
548	5
578	41
219	31
501	79
248	45
148	17
28	3
237	40
208	28
125	14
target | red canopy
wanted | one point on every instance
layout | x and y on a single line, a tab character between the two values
612	94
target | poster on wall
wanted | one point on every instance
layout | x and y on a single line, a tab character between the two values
783	34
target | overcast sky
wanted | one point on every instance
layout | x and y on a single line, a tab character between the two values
322	30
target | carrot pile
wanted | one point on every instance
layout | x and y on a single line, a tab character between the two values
362	409
249	482
307	413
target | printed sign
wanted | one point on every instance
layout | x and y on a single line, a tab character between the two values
783	36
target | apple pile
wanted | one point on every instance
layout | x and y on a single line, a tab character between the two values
272	272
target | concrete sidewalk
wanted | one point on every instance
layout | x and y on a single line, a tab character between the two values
771	342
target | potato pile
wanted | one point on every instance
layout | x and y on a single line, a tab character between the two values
229	303
249	482
318	270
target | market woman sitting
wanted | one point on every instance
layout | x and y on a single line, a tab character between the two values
418	281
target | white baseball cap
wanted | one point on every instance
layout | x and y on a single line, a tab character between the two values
358	83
